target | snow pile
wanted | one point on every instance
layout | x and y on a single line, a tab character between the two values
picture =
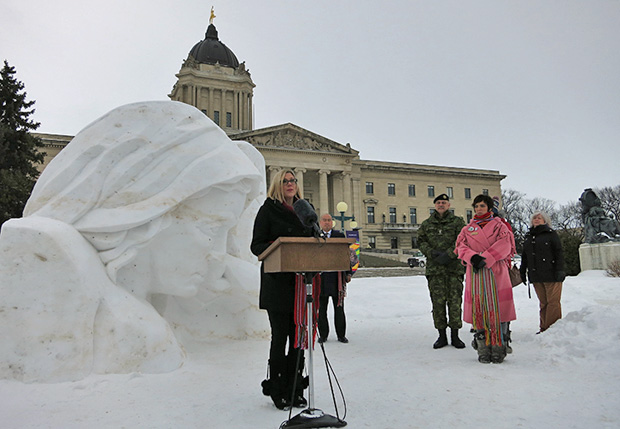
565	377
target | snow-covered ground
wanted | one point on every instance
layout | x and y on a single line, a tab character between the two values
567	377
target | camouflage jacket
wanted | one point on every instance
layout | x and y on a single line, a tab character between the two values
440	234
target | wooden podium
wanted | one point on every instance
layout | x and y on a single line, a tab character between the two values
305	255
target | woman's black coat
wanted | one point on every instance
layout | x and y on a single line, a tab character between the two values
277	290
542	256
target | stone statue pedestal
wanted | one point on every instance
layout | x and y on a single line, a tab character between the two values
598	256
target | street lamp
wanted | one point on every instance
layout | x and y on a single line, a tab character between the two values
342	207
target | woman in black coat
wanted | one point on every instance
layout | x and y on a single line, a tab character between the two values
277	218
543	261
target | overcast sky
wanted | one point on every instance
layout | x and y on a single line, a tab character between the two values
530	88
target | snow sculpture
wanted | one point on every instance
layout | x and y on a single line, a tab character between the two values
141	220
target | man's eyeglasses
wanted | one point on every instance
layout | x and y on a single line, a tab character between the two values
285	181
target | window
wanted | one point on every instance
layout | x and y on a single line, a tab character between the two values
469	215
412	190
216	117
370	189
372	241
414	242
485	192
450	192
394	243
393	215
370	213
228	119
468	193
431	191
413	215
391	189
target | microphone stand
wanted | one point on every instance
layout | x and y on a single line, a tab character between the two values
311	417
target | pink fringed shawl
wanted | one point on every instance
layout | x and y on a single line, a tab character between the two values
494	242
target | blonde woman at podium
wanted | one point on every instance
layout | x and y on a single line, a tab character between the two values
277	218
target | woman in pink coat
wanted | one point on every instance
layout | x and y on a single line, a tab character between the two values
484	246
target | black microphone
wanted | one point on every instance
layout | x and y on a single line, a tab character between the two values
308	217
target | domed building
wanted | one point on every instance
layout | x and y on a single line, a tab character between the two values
212	80
387	200
212	51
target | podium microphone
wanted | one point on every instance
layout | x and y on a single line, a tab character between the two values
308	217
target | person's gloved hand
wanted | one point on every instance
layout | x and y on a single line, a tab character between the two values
443	258
560	276
523	279
478	262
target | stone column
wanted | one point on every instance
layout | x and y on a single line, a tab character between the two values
210	107
273	169
236	120
337	190
299	174
348	196
241	95
356	201
250	119
223	109
246	119
323	192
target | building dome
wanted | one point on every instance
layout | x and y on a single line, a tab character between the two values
212	51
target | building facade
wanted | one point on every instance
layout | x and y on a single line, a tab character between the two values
387	200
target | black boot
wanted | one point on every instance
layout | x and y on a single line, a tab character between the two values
508	340
498	353
442	341
484	351
296	380
266	383
279	397
275	386
455	340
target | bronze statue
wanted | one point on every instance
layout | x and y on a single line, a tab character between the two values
598	227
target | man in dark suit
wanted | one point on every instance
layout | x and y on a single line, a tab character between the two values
333	284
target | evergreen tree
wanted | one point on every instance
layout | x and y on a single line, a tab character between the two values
19	150
570	247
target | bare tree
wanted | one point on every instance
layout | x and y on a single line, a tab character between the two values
568	219
519	210
610	200
514	206
545	205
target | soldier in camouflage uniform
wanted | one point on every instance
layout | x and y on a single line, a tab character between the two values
444	272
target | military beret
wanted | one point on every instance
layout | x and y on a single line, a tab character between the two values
442	197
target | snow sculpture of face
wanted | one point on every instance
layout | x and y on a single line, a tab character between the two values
154	187
190	252
138	222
